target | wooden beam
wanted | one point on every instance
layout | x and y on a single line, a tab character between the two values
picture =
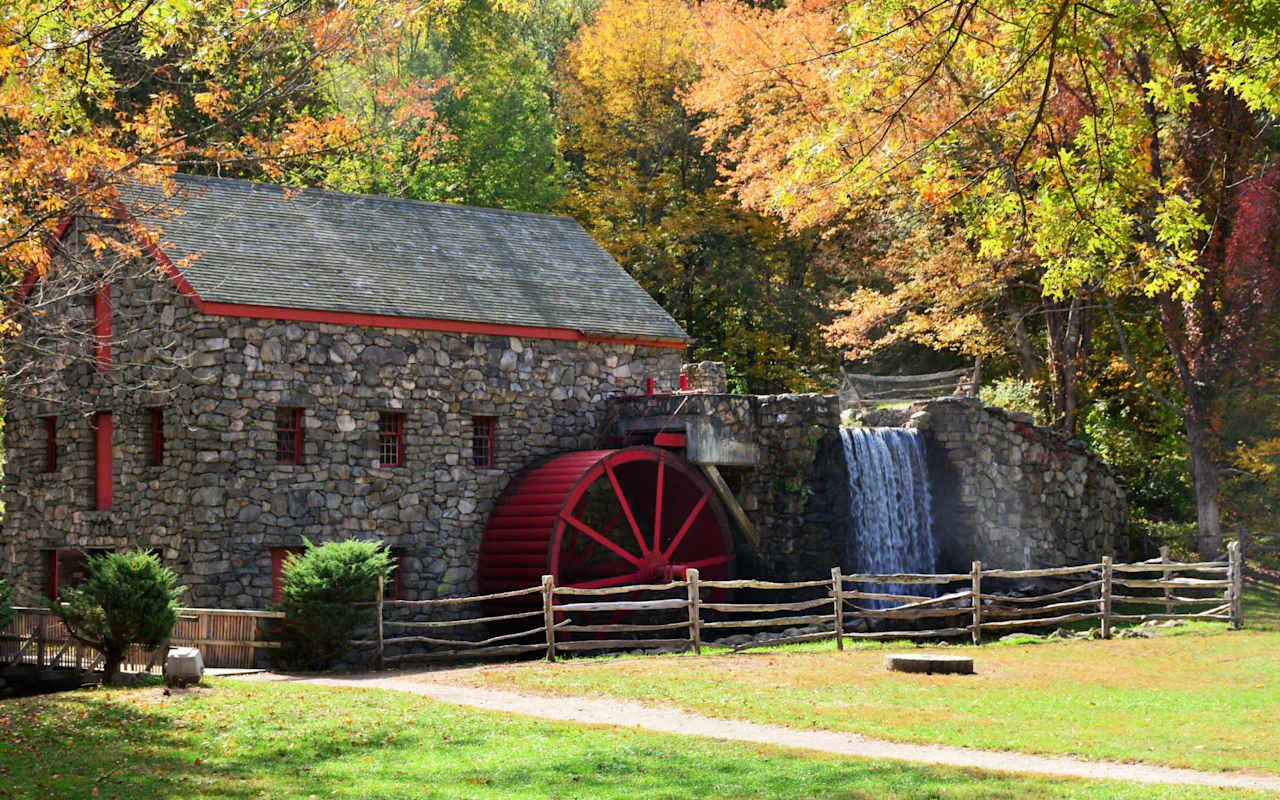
749	533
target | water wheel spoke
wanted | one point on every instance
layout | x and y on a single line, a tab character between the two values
688	522
626	508
601	540
601	583
708	562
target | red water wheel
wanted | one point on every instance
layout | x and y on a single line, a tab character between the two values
598	518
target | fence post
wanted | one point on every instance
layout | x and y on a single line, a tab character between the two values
976	586
40	643
378	660
1164	576
695	610
549	614
1235	571
1106	597
837	584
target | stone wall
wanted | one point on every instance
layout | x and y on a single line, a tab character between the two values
1013	495
1004	491
220	502
708	377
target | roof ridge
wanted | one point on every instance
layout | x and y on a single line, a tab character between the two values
410	201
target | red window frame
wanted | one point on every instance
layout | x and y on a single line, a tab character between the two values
157	436
482	441
102	328
390	439
278	555
50	444
288	435
103	460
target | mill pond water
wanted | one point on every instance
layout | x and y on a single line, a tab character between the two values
891	527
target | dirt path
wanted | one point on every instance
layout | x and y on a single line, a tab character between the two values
669	720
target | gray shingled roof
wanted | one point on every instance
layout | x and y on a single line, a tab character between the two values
309	249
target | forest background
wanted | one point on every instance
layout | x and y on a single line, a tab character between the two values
1081	194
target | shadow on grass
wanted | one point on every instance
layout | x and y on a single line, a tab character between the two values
99	743
243	740
1262	601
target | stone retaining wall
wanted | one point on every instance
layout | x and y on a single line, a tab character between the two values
1014	495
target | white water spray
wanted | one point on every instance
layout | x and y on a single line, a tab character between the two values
889	505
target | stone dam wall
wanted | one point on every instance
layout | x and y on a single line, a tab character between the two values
1006	492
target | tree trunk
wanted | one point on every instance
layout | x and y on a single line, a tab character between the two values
111	662
1068	329
1204	478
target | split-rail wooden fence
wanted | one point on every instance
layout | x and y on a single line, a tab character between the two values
226	638
561	619
685	614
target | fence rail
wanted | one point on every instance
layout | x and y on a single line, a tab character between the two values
225	638
1254	543
552	619
676	615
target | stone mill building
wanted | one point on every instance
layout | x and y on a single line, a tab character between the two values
298	363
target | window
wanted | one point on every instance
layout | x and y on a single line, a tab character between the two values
50	444
65	569
482	442
390	439
156	430
278	556
102	328
289	435
103	456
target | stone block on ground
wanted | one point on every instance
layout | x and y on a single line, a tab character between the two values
929	663
183	666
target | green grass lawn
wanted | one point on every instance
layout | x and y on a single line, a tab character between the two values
1262	604
258	740
1199	696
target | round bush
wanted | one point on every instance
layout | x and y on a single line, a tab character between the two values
318	589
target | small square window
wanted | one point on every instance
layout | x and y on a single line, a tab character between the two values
390	439
288	435
482	439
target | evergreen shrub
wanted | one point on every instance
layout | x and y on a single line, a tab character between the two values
126	599
319	588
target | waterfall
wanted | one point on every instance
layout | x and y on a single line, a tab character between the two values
889	506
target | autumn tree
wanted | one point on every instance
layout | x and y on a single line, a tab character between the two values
500	149
98	95
640	182
1123	146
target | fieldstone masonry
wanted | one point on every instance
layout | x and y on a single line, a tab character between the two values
220	502
1014	495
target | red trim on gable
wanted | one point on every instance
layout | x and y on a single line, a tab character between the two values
417	323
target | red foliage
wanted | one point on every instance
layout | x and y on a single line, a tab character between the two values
1251	265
